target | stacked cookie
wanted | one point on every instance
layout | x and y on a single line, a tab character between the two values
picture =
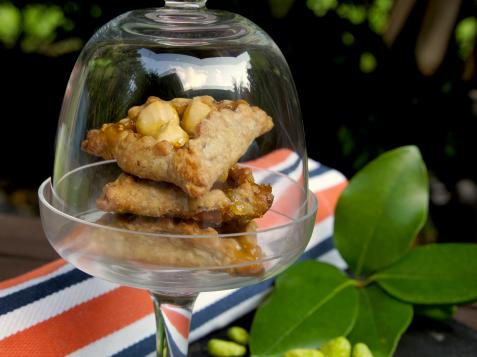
180	176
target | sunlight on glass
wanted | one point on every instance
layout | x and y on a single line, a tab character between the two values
101	63
194	73
10	24
465	35
367	62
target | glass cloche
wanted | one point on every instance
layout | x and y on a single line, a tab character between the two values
180	162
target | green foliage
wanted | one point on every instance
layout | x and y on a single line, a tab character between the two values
40	25
433	274
321	7
381	321
375	13
41	20
312	303
37	27
381	211
345	136
367	62
465	35
10	23
356	14
347	38
95	11
280	8
378	15
377	219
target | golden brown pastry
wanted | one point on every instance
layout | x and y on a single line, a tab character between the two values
239	199
212	252
191	152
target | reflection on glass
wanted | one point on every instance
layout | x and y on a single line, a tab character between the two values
223	73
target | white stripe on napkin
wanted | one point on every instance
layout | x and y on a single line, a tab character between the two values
72	296
63	269
333	257
119	340
228	316
52	305
326	180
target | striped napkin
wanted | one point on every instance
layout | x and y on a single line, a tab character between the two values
57	310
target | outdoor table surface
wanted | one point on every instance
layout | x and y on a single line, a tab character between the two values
24	247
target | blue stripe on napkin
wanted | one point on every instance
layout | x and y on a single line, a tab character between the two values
36	292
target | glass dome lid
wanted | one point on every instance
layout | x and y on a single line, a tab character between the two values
182	50
180	162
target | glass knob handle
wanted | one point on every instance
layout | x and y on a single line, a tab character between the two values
185	4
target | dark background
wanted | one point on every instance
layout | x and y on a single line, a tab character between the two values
371	76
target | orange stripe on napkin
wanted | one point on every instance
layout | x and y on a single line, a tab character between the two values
44	270
327	200
288	200
179	321
274	158
80	325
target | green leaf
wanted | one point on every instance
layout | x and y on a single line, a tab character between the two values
311	303
433	274
381	321
381	211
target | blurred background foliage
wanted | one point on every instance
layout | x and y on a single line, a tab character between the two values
371	75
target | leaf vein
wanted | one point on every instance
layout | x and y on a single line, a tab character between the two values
322	302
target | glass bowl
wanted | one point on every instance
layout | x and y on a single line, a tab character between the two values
180	162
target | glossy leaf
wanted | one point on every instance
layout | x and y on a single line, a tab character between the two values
381	211
381	321
433	274
311	303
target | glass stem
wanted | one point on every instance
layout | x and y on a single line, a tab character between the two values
173	316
